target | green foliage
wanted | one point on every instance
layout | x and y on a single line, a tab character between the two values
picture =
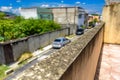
83	26
20	27
95	14
3	68
91	24
2	15
95	20
18	19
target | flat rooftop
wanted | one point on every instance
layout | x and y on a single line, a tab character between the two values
110	65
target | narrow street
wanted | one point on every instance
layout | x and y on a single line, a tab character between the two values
39	58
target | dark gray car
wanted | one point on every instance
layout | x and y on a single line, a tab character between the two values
79	31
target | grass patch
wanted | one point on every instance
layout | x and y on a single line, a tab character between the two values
3	68
24	58
41	48
22	63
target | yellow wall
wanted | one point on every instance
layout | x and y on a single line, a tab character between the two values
84	66
111	17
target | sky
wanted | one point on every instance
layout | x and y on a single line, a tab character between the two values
91	6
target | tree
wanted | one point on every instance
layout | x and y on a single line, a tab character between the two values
2	15
20	27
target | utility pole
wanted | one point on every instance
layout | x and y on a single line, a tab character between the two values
75	12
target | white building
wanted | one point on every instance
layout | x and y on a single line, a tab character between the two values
37	13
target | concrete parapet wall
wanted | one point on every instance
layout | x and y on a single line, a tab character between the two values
19	48
76	61
85	64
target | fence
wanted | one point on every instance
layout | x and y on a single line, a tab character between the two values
12	50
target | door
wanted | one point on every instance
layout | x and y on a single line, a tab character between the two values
8	53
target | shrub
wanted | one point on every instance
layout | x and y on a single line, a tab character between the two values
20	27
91	24
82	26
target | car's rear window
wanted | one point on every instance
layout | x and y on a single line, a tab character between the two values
80	30
57	40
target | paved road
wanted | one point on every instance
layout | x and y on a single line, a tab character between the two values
33	62
18	71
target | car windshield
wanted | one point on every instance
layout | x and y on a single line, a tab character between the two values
57	40
80	30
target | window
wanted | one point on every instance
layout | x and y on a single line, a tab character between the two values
80	16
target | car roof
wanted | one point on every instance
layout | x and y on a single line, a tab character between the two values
80	29
60	38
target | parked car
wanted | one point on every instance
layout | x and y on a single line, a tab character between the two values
79	31
60	42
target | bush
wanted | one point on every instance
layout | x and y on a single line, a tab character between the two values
20	27
91	24
83	27
3	68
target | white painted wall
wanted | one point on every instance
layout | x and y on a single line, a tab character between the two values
29	13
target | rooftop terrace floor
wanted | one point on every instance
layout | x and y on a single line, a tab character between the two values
110	65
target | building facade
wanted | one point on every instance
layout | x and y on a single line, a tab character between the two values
109	2
94	17
69	15
37	13
62	15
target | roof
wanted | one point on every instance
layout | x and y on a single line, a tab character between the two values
65	7
52	7
44	10
39	9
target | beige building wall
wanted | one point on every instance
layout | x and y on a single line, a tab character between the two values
70	15
64	15
111	17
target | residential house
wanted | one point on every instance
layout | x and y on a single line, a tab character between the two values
93	17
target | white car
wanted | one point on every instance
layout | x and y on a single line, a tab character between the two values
59	42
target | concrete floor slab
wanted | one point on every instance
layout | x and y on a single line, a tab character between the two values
110	65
